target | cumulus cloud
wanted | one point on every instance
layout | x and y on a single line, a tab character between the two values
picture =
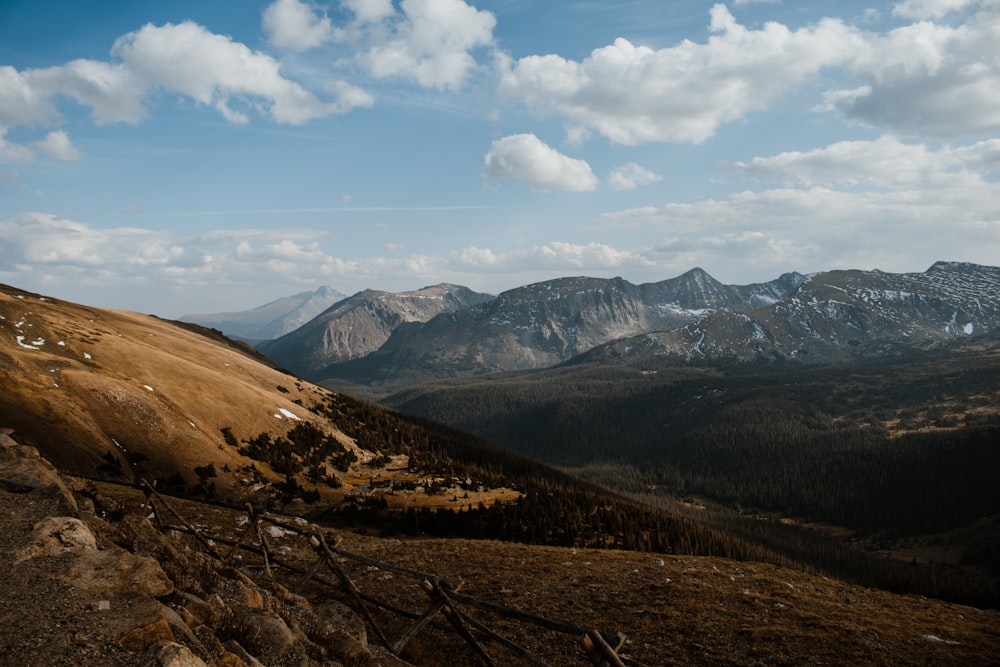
113	91
13	152
58	147
882	163
430	42
554	256
368	11
21	102
630	176
634	94
927	79
928	9
185	59
525	157
295	25
859	204
213	69
920	78
41	248
110	90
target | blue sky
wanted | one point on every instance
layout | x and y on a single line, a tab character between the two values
182	157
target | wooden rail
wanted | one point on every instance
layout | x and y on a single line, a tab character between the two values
445	597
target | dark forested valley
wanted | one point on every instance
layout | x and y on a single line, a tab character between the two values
895	453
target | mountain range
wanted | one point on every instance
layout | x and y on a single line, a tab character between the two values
273	319
826	317
361	324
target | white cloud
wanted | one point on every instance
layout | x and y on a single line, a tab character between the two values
58	147
634	94
630	176
21	102
212	69
184	58
368	11
427	41
883	163
294	25
13	152
524	157
113	91
554	257
881	204
430	42
928	79
928	9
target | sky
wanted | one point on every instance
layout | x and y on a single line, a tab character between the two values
199	157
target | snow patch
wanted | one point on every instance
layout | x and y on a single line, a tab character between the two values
27	346
287	413
278	531
934	638
86	355
148	387
968	328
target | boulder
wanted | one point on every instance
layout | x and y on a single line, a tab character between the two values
23	467
117	572
172	654
264	633
57	535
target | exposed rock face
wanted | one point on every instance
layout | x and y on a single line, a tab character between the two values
543	324
22	466
54	536
829	317
835	316
360	324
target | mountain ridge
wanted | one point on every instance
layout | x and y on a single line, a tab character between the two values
360	324
826	317
270	320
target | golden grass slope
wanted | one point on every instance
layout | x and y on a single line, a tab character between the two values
83	383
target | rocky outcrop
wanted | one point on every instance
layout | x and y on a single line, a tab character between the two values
134	595
360	324
23	468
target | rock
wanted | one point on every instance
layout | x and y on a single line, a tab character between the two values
23	466
264	633
245	658
110	572
142	637
57	535
172	654
251	596
336	618
218	610
152	623
230	660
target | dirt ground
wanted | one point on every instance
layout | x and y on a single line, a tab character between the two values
674	610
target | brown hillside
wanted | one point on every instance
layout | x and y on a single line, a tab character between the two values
104	392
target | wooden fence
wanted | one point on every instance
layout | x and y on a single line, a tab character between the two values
444	596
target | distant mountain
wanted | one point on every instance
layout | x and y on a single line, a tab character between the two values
360	324
824	318
546	323
273	319
834	316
